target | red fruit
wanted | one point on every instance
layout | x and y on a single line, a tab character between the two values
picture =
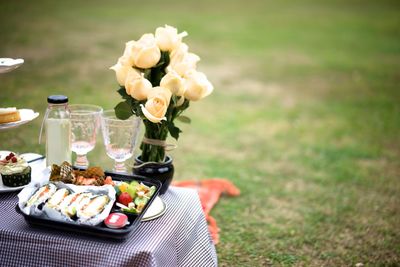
10	156
125	198
14	159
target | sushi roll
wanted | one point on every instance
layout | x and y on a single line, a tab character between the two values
78	203
57	198
41	195
86	198
69	204
94	207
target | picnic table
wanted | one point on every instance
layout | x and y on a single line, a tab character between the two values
178	238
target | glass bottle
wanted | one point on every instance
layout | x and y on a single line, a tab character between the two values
57	123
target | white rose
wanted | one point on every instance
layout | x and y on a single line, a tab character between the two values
145	52
173	82
127	56
126	61
197	85
123	66
138	87
178	54
157	104
188	63
168	38
121	72
131	74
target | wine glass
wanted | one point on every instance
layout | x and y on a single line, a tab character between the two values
119	137
85	122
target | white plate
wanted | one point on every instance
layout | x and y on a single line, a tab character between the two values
4	189
157	208
26	116
9	64
38	168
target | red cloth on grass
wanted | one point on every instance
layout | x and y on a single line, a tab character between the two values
209	192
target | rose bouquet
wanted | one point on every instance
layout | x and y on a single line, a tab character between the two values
158	80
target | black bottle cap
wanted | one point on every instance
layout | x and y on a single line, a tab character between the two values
57	99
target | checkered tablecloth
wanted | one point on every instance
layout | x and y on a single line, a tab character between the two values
178	238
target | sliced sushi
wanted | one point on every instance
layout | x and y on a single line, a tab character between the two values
86	198
69	204
94	207
57	197
41	195
81	200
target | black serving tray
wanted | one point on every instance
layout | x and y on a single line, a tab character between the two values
100	230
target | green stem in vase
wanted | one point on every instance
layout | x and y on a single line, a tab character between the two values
154	153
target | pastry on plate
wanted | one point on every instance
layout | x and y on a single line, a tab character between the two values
9	115
14	171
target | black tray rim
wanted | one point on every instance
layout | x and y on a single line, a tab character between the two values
99	230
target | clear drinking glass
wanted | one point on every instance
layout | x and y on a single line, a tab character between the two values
85	122
120	137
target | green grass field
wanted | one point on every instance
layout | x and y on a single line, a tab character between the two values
304	119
